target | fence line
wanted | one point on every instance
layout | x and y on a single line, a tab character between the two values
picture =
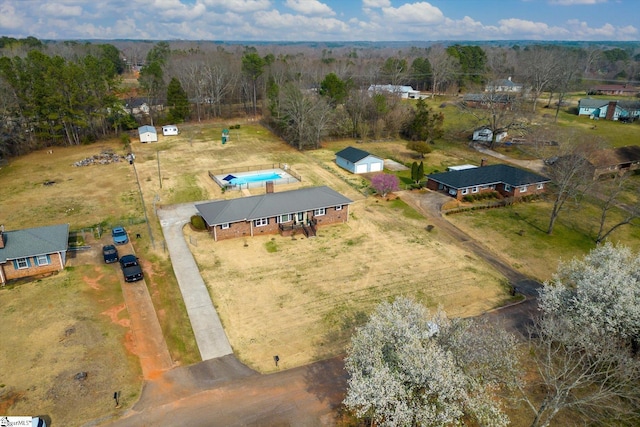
285	167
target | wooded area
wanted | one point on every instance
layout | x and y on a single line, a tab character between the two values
65	93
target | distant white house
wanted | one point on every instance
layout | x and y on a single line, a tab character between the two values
406	92
503	85
484	134
148	134
460	167
169	130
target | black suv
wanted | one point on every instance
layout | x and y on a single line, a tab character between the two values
130	268
110	254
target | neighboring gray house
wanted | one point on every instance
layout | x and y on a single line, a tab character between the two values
286	213
148	134
32	251
358	161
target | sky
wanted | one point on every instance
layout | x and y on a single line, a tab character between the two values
322	20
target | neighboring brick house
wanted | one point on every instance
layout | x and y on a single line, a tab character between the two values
615	160
286	213
622	89
507	180
33	251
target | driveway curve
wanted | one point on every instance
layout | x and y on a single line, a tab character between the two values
210	336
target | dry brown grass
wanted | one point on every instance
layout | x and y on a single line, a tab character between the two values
57	327
303	300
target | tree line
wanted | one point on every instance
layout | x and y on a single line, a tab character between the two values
73	92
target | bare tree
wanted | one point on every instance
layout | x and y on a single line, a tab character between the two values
539	64
571	175
304	117
608	193
443	67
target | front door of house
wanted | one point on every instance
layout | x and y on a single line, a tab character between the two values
300	217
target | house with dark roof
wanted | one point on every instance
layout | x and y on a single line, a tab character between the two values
33	251
286	212
507	180
358	161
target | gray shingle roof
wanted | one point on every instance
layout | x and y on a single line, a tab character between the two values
592	103
34	241
353	154
488	175
146	128
270	205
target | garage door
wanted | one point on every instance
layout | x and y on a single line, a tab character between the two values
376	167
361	168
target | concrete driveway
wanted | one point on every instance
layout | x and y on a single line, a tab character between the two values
210	336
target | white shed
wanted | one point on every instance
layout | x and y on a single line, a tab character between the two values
358	161
169	130
148	134
485	135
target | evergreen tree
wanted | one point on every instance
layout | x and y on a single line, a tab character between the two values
178	101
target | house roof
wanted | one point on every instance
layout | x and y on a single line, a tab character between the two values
616	156
270	205
354	155
146	128
619	88
504	83
593	103
392	88
34	241
488	175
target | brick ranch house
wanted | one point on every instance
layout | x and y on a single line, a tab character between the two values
507	180
286	213
33	251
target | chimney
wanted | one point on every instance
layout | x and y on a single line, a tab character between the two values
1	236
269	185
483	162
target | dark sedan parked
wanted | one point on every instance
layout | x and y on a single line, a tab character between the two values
110	254
130	268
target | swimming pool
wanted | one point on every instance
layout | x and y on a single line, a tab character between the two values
232	180
255	178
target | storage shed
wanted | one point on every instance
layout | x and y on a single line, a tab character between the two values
169	130
358	161
148	134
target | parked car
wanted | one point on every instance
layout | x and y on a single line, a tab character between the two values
119	235
131	268
110	254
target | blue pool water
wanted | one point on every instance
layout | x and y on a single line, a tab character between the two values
255	178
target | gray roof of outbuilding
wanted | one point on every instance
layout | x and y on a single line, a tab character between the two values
146	128
270	205
34	241
353	154
488	175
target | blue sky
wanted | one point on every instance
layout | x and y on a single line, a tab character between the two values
322	20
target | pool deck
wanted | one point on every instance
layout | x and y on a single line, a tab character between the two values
285	178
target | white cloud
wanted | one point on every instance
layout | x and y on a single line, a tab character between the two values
239	6
575	2
9	18
59	9
533	29
376	3
417	13
286	26
310	7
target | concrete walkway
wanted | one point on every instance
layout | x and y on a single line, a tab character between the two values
210	336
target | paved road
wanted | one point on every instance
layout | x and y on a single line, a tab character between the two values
210	336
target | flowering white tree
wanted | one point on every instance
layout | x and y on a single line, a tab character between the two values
409	368
582	343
